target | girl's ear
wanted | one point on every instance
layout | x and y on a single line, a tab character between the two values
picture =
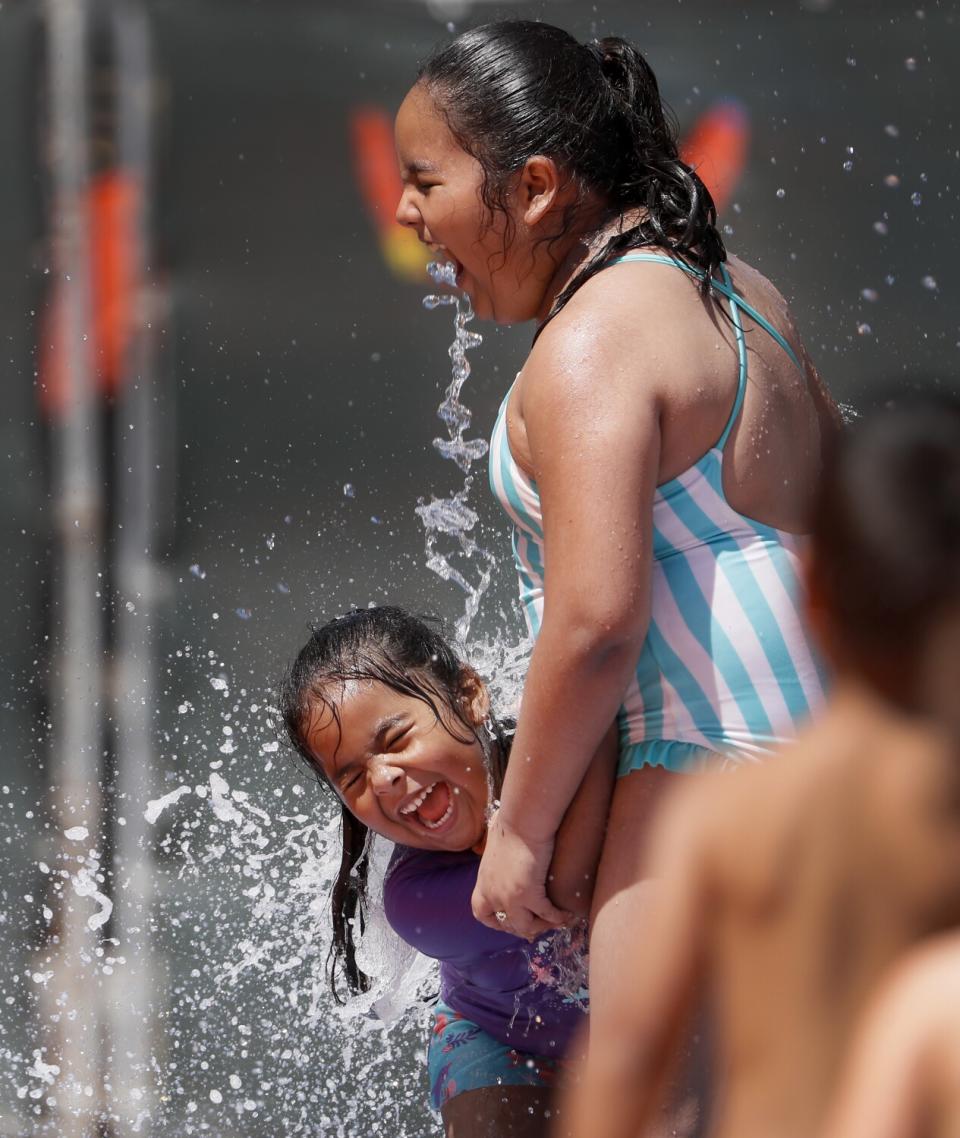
473	697
539	188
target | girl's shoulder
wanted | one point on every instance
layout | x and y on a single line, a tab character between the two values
640	302
407	861
633	332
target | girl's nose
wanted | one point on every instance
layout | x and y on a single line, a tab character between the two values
385	778
407	213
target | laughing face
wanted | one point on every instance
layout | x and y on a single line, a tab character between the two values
442	201
401	771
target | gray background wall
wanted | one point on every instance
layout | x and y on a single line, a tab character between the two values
296	363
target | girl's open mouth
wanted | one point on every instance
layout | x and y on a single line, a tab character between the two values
433	807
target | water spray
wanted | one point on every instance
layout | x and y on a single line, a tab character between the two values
453	516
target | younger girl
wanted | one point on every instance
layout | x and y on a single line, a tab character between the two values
389	718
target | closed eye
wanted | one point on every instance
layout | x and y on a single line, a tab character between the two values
398	741
424	184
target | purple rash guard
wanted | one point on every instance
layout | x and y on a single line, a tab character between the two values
485	975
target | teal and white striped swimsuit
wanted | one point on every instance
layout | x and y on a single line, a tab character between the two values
726	667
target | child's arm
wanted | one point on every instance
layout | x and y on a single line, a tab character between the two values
624	1079
573	870
594	449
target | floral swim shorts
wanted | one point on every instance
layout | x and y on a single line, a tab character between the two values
463	1057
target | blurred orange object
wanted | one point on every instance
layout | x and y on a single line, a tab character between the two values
113	199
375	162
717	149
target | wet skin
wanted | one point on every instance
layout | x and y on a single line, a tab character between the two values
399	770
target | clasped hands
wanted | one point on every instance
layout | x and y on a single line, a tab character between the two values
511	893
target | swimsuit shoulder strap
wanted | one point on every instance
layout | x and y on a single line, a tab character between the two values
737	304
733	297
725	288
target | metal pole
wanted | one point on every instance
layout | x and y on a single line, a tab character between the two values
133	1012
76	678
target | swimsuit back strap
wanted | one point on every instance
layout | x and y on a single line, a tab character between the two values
755	316
727	290
737	304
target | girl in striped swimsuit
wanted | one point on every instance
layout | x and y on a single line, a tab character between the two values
654	454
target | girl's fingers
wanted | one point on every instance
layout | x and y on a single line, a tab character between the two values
532	924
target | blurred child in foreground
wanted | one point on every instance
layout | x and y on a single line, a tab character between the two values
777	895
903	1077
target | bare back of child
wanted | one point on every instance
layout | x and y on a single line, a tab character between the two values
784	891
802	881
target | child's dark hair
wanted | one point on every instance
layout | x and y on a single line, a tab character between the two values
409	655
886	532
516	88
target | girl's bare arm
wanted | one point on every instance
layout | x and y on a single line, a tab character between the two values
595	446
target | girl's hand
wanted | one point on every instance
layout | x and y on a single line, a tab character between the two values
512	881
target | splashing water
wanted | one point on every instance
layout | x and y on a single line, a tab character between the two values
243	879
452	517
242	1036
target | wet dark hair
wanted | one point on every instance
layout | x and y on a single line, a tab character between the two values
886	533
410	655
516	88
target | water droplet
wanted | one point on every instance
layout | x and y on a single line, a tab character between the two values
244	614
781	193
436	301
910	63
881	227
848	165
442	272
916	198
892	180
864	330
348	490
870	294
198	572
929	282
891	130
